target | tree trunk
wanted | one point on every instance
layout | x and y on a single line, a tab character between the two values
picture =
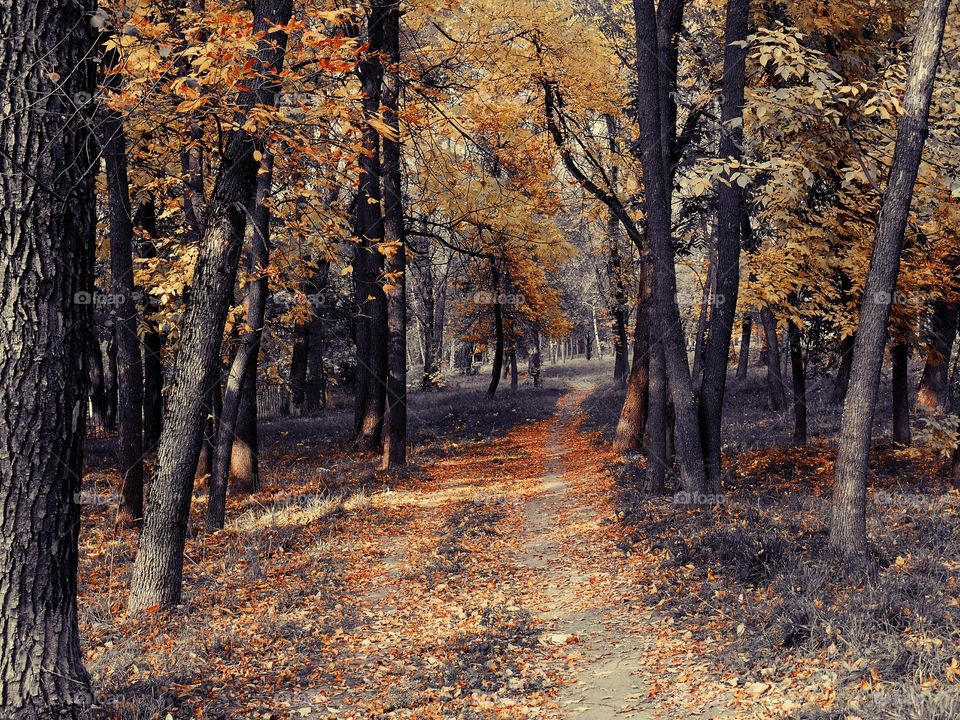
536	362
95	379
701	334
299	364
158	570
657	192
934	383
900	386
498	330
316	389
129	363
46	276
372	319
514	370
244	366
152	341
744	361
657	420
633	415
110	372
775	391
848	529
799	385
843	372
244	460
731	210
395	447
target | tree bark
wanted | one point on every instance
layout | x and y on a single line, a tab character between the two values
372	330
657	420
799	385
633	415
934	383
843	372
775	391
146	219
299	365
46	275
744	361
395	446
498	332
110	373
158	569
657	191
244	366
900	387
95	380
129	363
848	528
514	370
244	460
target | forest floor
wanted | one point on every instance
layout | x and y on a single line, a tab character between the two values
515	572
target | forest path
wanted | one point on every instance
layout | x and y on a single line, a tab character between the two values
494	588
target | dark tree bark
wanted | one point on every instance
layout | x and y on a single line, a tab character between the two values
212	404
745	334
657	420
244	460
498	332
316	389
129	363
709	268
775	393
799	385
46	275
299	365
934	383
900	387
843	372
371	328
158	569
110	373
146	219
98	391
730	214
536	362
848	528
633	415
657	191
395	445
244	365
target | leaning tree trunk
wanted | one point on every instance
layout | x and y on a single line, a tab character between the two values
46	275
633	415
657	191
395	444
934	383
799	384
245	358
158	570
127	339
848	527
729	223
900	388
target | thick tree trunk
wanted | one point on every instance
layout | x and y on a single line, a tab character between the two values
657	420
158	569
46	275
848	529
775	392
395	445
730	214
129	363
633	415
900	387
799	385
372	330
745	334
316	388
934	383
657	191
244	366
299	365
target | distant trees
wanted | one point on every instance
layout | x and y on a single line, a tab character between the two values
47	153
